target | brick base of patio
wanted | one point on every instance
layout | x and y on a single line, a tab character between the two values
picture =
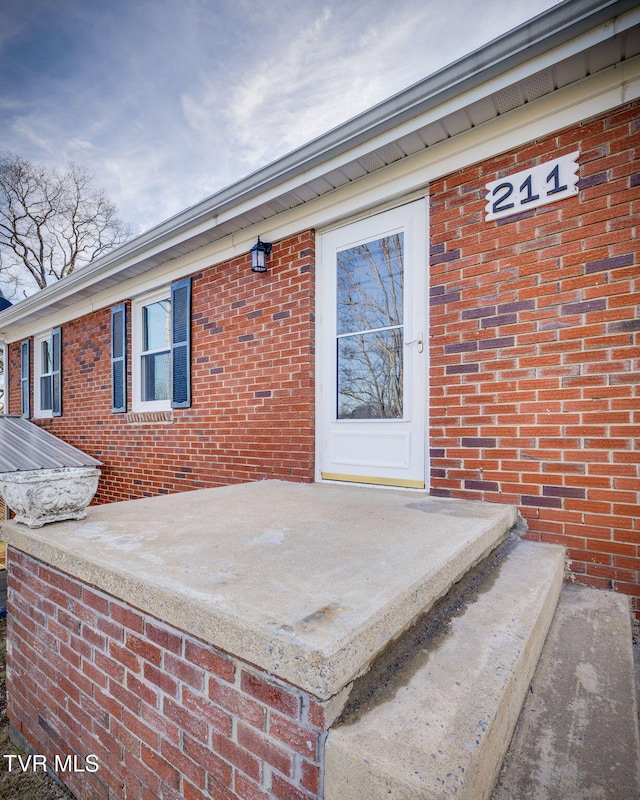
162	713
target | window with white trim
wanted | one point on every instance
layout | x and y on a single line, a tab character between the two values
160	324
25	371
47	374
152	352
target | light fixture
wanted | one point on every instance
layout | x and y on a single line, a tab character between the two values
259	253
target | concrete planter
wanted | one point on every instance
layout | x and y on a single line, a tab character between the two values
49	495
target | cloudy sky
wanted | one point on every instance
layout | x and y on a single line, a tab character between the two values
168	101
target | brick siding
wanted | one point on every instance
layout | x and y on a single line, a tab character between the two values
164	714
534	349
252	415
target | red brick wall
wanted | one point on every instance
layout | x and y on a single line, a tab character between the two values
534	349
252	415
164	714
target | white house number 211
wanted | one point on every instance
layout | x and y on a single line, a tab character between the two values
538	186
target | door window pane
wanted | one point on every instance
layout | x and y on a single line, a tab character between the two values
370	375
370	285
370	330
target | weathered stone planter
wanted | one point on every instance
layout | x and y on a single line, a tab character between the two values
49	495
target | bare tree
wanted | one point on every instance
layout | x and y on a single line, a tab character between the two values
51	223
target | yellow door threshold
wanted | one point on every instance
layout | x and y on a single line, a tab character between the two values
399	482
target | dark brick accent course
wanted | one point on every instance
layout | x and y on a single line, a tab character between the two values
441	299
584	308
564	491
477	313
626	326
609	263
482	486
541	502
452	255
459	369
496	344
462	347
501	319
478	442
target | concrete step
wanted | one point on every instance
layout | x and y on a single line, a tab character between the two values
435	714
577	735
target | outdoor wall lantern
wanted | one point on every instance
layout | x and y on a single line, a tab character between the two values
259	253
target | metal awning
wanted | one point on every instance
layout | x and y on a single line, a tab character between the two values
25	446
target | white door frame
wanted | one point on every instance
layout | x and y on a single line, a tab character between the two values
403	450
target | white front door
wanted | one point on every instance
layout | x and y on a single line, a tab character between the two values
372	355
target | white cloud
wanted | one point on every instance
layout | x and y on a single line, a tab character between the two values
29	131
320	79
345	59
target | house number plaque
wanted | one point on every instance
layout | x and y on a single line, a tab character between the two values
533	187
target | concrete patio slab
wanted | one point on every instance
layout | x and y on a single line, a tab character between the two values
308	582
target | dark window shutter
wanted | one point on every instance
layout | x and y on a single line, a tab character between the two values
56	393
181	344
119	358
24	378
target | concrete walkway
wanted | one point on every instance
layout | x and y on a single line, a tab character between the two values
577	735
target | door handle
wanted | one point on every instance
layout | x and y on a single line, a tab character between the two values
419	341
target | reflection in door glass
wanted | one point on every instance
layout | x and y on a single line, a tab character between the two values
370	375
370	330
